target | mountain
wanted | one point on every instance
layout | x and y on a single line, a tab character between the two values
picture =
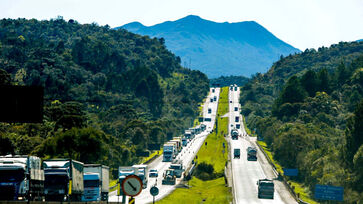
217	49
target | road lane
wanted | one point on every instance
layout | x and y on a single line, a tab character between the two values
186	155
246	173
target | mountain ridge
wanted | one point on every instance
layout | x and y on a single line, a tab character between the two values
245	48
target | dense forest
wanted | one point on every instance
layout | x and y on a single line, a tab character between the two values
228	80
309	110
109	94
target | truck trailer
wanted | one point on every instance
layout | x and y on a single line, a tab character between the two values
21	178
63	180
96	182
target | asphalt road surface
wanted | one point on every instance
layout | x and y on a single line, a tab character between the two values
246	173
186	155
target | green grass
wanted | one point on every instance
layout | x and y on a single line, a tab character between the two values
213	191
157	152
299	188
111	184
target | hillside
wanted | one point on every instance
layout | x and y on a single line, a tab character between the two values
218	49
109	93
308	109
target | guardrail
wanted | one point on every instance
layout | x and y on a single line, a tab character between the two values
281	177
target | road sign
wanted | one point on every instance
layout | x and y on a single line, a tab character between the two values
291	172
131	185
154	191
324	192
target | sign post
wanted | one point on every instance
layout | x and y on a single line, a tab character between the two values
131	186
154	191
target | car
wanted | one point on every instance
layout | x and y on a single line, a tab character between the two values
153	173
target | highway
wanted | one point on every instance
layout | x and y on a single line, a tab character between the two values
246	173
186	155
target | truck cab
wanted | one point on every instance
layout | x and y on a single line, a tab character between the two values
169	177
265	188
124	171
141	172
234	134
178	168
168	152
236	153
251	154
21	177
92	188
63	180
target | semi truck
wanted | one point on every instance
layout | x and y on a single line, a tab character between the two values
178	168
236	153
142	172
169	177
124	171
178	143
251	154
234	134
188	134
265	188
168	152
184	141
175	148
63	180
21	178
96	182
202	127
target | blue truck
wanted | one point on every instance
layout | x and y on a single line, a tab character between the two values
168	152
21	178
96	182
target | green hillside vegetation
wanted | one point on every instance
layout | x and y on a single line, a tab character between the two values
228	80
108	93
308	109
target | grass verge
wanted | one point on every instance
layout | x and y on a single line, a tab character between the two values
299	188
157	152
212	191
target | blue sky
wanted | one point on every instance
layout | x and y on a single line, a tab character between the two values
301	23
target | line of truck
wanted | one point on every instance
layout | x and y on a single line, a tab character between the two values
172	148
25	177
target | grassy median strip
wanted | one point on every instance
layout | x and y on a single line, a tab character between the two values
299	188
212	191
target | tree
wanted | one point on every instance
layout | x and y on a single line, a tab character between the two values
5	78
309	82
354	134
324	80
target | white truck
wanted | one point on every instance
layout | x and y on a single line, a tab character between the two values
168	152
142	172
63	180
21	178
178	168
96	182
